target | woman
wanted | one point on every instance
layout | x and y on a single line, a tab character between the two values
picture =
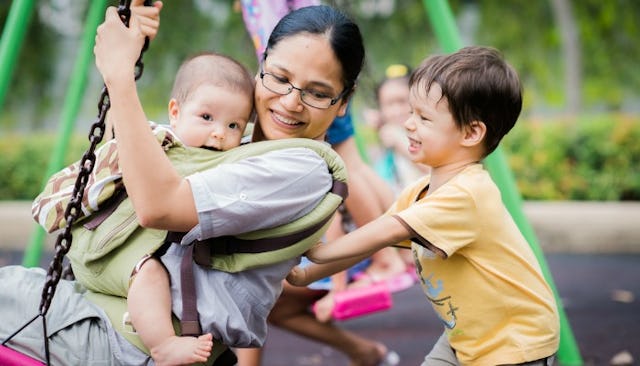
322	66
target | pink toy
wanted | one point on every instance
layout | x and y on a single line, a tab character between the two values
9	357
359	301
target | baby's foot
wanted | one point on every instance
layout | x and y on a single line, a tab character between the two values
183	350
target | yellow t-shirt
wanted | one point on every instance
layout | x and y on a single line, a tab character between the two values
489	292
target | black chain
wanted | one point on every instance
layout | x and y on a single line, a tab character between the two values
86	165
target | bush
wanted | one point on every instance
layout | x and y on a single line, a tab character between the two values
591	158
25	160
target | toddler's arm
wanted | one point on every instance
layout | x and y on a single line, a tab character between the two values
348	250
377	234
304	276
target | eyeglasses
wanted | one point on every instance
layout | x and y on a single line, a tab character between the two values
309	97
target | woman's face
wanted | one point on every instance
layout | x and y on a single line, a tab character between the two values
307	62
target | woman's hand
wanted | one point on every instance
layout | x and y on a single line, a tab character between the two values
117	48
148	17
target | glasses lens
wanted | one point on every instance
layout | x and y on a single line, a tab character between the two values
275	85
308	97
315	101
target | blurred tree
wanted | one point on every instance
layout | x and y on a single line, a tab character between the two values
572	56
563	14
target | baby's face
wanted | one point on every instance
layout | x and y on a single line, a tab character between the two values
212	117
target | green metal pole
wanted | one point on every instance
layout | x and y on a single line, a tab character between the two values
441	18
72	103
12	37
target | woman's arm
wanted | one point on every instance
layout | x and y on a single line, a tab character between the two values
161	197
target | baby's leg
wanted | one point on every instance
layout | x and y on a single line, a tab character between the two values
149	305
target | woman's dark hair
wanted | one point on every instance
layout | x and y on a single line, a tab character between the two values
343	34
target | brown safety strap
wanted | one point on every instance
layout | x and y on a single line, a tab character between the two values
201	252
189	323
226	245
106	210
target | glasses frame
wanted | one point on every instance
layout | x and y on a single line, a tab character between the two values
303	92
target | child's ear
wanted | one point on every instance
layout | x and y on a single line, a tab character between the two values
474	133
174	111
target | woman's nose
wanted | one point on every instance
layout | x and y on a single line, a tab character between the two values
292	101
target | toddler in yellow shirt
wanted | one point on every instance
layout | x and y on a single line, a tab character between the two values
476	269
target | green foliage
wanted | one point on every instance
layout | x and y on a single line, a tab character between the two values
593	158
526	31
24	162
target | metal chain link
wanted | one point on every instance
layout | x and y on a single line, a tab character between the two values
96	134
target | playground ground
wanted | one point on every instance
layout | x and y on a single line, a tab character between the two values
596	270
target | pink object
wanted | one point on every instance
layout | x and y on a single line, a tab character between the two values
401	282
10	357
261	16
359	301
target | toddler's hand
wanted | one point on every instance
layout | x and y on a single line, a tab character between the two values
297	277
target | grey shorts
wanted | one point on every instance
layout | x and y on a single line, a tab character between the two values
443	355
77	333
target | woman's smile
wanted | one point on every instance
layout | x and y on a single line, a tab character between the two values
286	120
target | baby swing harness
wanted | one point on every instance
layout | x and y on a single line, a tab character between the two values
109	242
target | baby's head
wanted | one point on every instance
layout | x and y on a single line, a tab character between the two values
480	90
211	101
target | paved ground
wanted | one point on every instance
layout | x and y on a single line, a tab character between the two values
600	294
598	281
588	285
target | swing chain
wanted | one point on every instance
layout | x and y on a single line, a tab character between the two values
86	165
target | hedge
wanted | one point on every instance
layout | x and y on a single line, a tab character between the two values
592	158
588	158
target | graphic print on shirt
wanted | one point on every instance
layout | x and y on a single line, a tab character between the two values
444	307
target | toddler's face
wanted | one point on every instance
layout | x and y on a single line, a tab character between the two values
212	117
433	134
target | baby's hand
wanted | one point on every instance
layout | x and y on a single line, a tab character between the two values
148	17
297	277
